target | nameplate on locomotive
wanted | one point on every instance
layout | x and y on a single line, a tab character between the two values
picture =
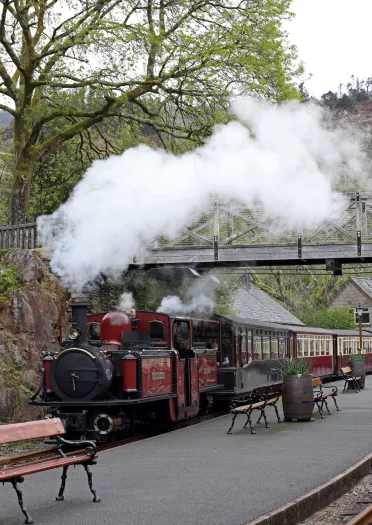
158	375
207	371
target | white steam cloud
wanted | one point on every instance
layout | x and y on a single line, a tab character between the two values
200	298
287	161
126	302
173	305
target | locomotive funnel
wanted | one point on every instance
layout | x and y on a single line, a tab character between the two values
79	320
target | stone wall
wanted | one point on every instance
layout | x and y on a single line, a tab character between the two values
33	318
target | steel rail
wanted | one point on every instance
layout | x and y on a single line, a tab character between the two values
363	518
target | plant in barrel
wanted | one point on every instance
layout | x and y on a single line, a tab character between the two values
297	391
356	363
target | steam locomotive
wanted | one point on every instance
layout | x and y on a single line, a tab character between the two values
124	369
119	370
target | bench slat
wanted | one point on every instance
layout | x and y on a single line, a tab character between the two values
31	430
43	465
273	401
253	406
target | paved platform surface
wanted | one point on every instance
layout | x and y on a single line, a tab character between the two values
201	476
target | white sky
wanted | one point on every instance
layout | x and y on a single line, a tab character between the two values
333	40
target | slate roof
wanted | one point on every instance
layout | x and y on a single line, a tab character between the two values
255	304
364	284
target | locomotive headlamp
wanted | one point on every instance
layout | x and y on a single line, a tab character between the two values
73	333
133	312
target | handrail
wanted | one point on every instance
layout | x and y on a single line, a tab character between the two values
22	236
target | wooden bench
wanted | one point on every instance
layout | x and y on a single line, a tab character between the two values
255	402
351	381
320	396
14	469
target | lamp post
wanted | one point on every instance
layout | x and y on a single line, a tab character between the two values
359	312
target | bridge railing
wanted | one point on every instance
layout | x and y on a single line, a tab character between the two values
19	236
231	225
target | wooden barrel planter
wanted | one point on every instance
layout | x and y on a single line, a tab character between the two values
358	370
297	398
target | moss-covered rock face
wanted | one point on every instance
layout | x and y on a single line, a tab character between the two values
33	318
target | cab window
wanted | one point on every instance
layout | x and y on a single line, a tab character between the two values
205	334
94	331
181	335
156	330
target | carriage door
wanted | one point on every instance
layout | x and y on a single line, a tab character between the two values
182	343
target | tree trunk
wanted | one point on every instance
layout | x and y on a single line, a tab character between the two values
24	165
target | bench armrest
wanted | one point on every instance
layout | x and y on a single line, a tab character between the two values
90	450
317	394
334	388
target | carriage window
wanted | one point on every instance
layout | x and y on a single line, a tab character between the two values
181	335
244	348
249	345
257	347
282	345
94	331
205	334
274	348
309	345
266	348
156	330
227	343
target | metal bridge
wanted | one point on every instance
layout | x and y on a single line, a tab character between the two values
231	235
237	236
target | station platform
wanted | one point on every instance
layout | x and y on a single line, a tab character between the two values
199	475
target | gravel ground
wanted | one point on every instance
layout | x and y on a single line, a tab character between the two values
21	447
337	512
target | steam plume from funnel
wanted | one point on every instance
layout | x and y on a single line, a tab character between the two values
126	302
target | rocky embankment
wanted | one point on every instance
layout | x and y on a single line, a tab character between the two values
33	318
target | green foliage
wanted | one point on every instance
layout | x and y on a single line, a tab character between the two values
168	67
223	296
6	166
8	279
299	289
296	367
355	91
341	318
57	172
147	292
356	358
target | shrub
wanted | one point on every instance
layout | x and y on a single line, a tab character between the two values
297	367
8	280
356	358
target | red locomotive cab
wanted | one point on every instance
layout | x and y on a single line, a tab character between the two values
113	325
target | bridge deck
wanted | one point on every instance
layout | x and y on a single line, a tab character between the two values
255	255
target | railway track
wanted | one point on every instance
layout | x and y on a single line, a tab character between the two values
363	518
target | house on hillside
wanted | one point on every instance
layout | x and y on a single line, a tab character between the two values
255	304
355	291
